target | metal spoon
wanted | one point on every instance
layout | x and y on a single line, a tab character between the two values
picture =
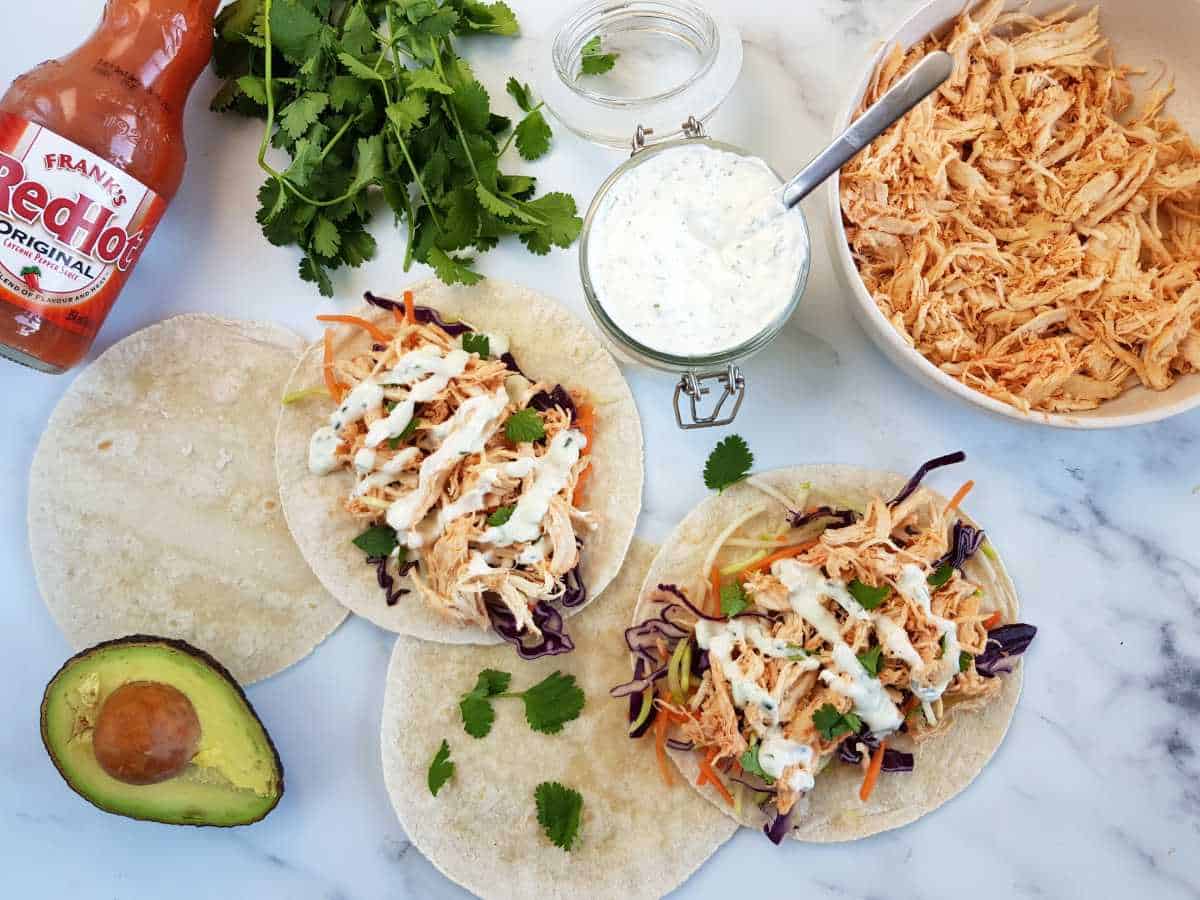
923	80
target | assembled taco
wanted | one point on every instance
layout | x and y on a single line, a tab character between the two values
827	652
462	464
153	507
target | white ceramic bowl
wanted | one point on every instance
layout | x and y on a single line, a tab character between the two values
1147	33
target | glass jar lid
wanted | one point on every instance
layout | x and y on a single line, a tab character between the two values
675	60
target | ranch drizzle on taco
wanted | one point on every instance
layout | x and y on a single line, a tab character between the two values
468	474
830	638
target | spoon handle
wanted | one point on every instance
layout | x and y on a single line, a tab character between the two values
914	87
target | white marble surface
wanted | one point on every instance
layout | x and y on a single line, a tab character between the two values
1096	792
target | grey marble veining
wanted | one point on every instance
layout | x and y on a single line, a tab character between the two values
1096	791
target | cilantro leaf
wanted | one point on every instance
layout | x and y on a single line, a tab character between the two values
359	69
452	269
729	462
407	112
326	239
552	702
410	429
378	540
558	811
427	80
869	597
560	223
533	136
494	18
296	32
964	661
440	769
473	342
521	93
475	705
524	426
592	61
500	516
871	660
733	599
833	724
750	763
941	576
473	106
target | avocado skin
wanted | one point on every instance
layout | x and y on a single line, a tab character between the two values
212	663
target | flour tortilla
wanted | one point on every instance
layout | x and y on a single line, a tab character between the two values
153	506
638	838
551	346
945	764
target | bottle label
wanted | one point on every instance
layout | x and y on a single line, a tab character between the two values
72	226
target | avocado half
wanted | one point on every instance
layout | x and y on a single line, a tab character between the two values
235	776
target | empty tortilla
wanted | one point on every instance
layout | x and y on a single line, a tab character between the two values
153	505
637	839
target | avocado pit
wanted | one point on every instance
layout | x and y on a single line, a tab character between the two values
146	732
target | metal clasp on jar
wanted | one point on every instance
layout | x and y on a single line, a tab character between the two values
692	128
732	385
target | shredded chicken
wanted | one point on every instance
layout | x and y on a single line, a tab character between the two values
1030	230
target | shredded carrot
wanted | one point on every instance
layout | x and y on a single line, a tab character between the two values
959	496
660	745
399	315
708	775
715	581
992	621
410	308
335	389
873	771
767	561
585	421
369	327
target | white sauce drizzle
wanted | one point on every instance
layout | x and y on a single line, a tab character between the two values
930	682
776	754
322	451
553	469
424	362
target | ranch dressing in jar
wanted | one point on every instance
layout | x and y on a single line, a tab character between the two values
692	252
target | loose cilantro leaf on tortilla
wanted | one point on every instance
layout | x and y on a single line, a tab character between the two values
869	597
441	769
524	426
733	599
373	98
549	704
592	61
476	343
831	723
500	516
872	660
552	702
729	462
749	762
475	705
378	540
558	811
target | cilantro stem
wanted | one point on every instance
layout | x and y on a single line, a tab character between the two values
337	137
451	111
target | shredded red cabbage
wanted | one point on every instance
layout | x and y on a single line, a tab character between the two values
543	401
780	827
842	518
680	745
757	785
424	314
575	592
1004	645
385	579
893	760
949	459
511	362
549	621
638	684
965	542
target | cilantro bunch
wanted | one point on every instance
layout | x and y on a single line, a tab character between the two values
371	94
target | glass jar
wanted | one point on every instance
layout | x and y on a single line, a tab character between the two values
675	60
702	374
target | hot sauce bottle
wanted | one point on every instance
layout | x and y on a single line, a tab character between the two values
91	153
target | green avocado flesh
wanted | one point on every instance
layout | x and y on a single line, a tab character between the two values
235	776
